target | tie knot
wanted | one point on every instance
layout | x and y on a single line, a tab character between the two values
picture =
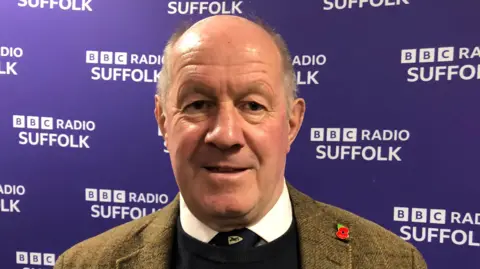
242	238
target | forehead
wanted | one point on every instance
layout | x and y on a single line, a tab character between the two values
237	49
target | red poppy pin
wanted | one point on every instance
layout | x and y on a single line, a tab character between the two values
342	232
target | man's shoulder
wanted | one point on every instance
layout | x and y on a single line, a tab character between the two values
368	242
102	250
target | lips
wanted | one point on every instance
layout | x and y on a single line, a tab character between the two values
224	169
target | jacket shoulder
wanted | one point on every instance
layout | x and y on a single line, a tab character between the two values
372	241
102	250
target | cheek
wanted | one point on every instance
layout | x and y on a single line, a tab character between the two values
269	141
183	141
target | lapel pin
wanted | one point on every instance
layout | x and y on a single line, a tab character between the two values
342	232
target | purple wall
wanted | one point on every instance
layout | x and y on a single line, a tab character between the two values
398	78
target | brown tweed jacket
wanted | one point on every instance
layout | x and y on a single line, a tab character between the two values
146	243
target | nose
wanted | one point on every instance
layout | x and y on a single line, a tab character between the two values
226	131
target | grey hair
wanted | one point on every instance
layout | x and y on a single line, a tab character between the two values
290	79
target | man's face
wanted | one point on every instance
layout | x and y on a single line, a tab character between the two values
226	125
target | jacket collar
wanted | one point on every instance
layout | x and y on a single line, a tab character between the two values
319	246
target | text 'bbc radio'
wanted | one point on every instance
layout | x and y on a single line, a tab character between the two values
122	66
307	67
10	198
65	5
121	204
205	7
423	220
51	132
443	63
339	144
9	57
354	4
35	258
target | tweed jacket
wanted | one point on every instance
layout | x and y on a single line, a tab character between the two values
147	243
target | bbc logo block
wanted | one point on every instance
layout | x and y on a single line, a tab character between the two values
35	258
105	196
106	57
438	216
333	134
427	55
419	215
32	122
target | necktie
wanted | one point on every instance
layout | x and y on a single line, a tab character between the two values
238	239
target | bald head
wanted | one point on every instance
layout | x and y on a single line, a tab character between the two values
222	38
224	33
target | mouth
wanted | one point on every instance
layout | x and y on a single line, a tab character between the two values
219	169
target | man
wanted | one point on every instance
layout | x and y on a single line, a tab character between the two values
228	111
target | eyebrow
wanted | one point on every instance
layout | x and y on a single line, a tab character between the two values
195	86
258	87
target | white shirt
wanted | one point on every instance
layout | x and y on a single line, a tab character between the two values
273	225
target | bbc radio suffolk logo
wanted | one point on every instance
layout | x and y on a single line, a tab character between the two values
123	66
122	204
9	59
359	144
436	64
438	226
64	5
360	4
35	259
52	132
10	198
307	68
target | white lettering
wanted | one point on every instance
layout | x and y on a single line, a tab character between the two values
146	59
385	135
457	237
12	190
148	198
309	60
439	73
11	52
349	4
310	79
8	68
49	139
122	212
367	153
61	4
9	206
464	53
203	7
122	74
468	218
76	125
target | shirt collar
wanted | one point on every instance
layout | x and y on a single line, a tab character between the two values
273	225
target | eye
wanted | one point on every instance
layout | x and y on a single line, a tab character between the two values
197	105
254	106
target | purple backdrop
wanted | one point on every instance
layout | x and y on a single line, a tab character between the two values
391	130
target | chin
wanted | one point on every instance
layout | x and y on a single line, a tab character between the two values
228	206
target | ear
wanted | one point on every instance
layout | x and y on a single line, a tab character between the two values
297	114
160	117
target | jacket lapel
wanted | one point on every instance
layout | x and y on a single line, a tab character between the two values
157	236
319	246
